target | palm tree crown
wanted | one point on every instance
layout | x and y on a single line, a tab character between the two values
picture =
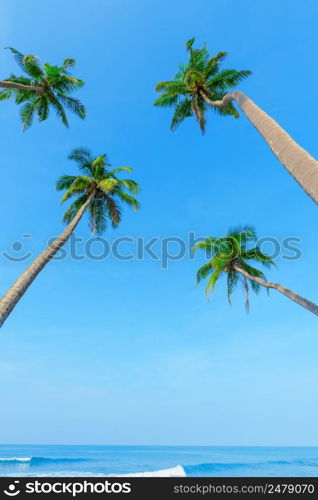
230	254
100	183
199	79
42	88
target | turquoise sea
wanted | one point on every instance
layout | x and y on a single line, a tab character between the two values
51	460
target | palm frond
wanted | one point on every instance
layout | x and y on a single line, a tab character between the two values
167	100
128	199
257	255
21	79
113	211
66	84
189	43
198	108
209	289
228	110
27	113
74	105
231	256
246	290
18	56
232	281
251	270
98	216
74	208
255	287
227	79
5	94
243	233
69	62
182	111
211	246
172	87
82	156
79	185
43	108
198	59
99	166
213	64
22	96
65	182
32	67
107	185
57	106
120	169
102	186
129	184
200	73
204	271
52	83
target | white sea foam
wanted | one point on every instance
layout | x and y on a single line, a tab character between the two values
15	459
173	472
177	471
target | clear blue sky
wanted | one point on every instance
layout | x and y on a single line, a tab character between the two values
123	352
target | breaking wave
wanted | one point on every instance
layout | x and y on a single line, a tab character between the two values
39	460
177	471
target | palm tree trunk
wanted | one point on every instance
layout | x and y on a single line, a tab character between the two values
18	289
20	86
297	161
307	304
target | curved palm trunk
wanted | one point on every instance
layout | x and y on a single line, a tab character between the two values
18	289
297	161
307	304
20	86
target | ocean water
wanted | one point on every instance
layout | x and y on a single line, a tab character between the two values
50	460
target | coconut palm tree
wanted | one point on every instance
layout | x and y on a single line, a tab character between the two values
201	84
42	88
231	256
99	192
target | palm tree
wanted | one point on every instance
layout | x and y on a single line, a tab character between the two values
230	256
98	191
201	84
42	88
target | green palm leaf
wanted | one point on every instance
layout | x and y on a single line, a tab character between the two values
98	216
69	63
43	108
43	88
113	211
58	108
204	271
198	81
128	199
32	67
130	184
65	182
5	94
18	56
230	256
27	113
232	281
227	79
79	185
74	208
101	185
73	105
120	169
107	185
182	111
